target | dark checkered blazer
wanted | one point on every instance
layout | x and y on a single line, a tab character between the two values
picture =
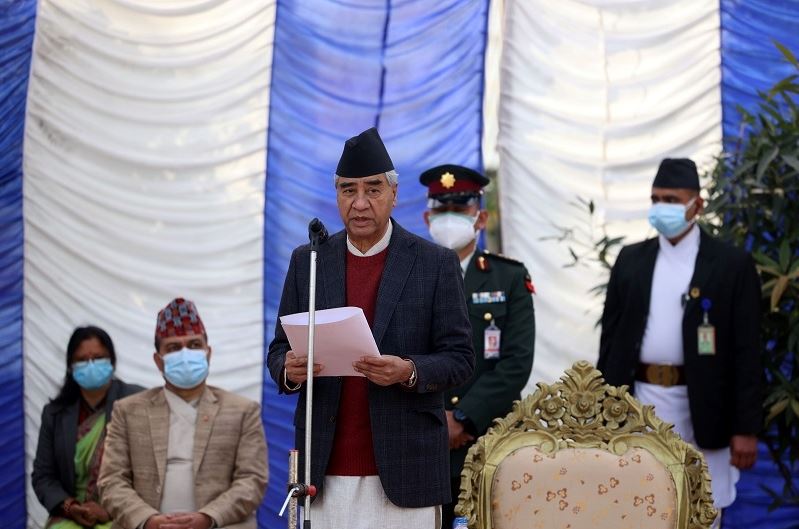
420	314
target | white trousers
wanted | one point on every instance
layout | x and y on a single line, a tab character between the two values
671	405
358	502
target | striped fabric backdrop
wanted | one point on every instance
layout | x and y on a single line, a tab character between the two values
161	148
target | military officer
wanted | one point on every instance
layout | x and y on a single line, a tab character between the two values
498	293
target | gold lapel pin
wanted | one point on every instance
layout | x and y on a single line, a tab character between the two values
695	292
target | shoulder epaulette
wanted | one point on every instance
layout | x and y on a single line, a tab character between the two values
501	257
482	264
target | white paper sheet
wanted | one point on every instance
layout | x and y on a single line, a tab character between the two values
342	337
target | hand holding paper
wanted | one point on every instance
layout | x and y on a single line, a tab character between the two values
297	368
385	370
342	337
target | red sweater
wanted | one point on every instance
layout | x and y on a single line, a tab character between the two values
353	453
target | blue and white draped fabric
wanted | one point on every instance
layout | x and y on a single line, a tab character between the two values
162	148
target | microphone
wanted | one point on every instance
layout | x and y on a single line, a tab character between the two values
317	233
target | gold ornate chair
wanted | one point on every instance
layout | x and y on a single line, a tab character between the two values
580	454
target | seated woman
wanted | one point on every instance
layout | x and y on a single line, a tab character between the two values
72	432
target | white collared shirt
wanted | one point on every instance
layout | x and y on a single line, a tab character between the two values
671	279
381	245
466	260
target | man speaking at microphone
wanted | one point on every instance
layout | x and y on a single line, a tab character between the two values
379	454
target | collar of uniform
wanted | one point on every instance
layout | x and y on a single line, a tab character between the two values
687	245
466	260
381	245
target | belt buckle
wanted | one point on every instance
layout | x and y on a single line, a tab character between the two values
662	375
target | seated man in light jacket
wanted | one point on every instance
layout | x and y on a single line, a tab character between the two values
185	454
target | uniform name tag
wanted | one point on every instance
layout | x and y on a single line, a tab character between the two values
706	335
491	342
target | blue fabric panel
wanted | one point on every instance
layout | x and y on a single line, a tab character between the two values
749	59
750	510
16	39
412	68
750	62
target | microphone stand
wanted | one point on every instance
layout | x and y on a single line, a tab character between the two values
317	235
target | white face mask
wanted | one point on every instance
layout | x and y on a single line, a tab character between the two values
453	230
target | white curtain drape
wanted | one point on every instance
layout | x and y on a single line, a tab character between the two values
593	95
144	165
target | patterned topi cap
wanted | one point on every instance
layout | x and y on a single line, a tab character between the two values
179	318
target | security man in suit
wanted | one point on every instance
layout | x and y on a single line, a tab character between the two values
498	294
681	326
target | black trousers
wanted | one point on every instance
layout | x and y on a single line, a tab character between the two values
448	510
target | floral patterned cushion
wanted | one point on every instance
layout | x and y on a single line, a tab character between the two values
582	488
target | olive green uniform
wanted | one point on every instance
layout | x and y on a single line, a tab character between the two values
497	288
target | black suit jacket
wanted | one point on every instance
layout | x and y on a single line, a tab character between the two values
420	315
724	390
53	476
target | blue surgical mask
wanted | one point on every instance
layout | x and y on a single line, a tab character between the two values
92	374
669	219
186	368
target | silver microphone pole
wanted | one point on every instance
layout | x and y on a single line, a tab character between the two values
317	234
309	387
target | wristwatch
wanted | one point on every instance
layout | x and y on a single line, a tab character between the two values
287	383
460	416
411	382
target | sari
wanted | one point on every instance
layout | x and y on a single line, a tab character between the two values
88	455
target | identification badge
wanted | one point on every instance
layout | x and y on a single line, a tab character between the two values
706	333
491	342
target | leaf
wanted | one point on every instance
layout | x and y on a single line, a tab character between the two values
743	169
784	85
795	407
746	116
785	256
787	53
779	289
776	409
793	161
765	161
775	396
765	260
774	112
786	98
768	270
793	273
793	339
